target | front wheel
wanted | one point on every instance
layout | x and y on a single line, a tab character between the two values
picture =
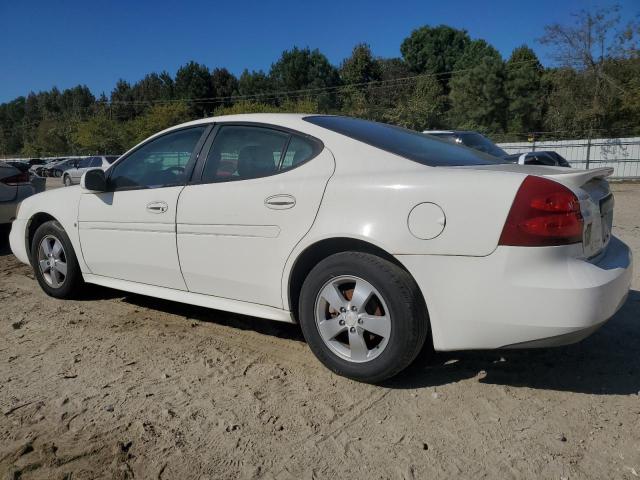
362	316
54	261
67	181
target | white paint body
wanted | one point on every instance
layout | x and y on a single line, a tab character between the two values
218	245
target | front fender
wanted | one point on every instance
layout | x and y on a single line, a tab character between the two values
60	204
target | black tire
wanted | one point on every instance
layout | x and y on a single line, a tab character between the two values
73	282
67	181
407	310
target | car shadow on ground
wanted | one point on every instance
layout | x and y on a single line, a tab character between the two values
287	331
5	249
608	362
605	363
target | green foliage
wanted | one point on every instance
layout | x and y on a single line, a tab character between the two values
156	119
194	81
224	84
288	106
435	50
122	101
304	69
443	80
477	91
524	91
423	109
361	66
99	134
254	83
52	137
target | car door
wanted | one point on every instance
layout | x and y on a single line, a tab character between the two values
128	232
253	197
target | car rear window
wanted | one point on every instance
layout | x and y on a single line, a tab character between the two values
401	141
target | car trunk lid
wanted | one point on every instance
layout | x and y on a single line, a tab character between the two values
592	190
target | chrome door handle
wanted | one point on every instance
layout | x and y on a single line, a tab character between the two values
280	202
157	207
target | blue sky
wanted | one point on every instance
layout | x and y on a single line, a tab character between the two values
65	43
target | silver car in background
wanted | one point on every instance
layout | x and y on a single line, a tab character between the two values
15	186
477	141
71	176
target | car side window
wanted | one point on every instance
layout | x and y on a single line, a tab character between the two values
158	163
298	151
84	162
96	162
241	152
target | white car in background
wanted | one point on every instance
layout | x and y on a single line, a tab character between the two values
368	235
72	175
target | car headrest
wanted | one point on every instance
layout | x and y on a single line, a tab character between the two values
255	161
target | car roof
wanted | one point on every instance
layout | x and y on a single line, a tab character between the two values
287	120
453	132
273	118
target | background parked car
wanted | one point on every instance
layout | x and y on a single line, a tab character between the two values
479	142
38	182
56	169
15	186
71	176
39	167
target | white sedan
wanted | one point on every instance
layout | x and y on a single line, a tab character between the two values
72	175
368	235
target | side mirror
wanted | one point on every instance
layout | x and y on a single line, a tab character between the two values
94	181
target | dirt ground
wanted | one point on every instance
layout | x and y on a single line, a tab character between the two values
124	386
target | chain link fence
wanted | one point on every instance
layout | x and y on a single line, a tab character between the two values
623	154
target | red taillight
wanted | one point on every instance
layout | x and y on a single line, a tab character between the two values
543	213
13	180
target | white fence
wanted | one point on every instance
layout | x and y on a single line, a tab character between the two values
623	154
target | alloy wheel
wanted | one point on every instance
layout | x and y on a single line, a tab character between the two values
52	261
352	318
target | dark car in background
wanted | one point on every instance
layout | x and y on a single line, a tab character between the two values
15	186
57	168
477	141
38	182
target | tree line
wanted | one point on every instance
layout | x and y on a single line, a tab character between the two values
443	79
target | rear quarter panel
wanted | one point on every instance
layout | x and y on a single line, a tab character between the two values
372	193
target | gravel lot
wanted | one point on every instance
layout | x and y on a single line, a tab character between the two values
123	386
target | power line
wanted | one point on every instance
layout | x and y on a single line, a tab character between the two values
305	91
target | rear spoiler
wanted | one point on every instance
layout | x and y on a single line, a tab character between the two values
577	178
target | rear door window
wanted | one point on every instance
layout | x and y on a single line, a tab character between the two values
241	152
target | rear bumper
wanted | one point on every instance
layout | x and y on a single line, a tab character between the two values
521	297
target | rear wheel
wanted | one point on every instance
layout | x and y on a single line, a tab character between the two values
54	261
362	316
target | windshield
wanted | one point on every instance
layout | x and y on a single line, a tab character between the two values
478	141
406	143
